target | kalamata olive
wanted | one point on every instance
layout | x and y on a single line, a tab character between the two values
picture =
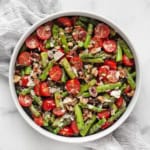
126	98
92	91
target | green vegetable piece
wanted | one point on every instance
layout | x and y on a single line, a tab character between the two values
117	114
37	100
58	99
133	75
55	31
44	59
64	77
88	36
46	118
84	19
79	117
88	125
44	74
64	40
131	80
64	94
113	109
34	111
90	107
125	48
61	122
25	91
80	23
27	70
123	87
47	44
119	53
112	32
94	60
80	44
86	94
22	72
64	62
96	127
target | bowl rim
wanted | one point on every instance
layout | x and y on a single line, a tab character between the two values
96	135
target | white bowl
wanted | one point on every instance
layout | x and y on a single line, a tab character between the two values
74	139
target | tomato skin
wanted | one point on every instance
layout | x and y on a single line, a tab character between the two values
64	21
127	62
73	86
76	62
42	47
127	89
111	63
109	46
102	30
66	131
24	81
48	104
112	77
32	42
98	42
104	114
74	127
103	70
106	125
71	54
44	89
58	112
119	102
25	100
38	121
44	32
55	73
37	89
24	58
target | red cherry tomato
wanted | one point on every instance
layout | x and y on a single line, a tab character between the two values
74	127
24	81
37	89
44	89
112	76
66	131
73	86
102	30
109	46
103	70
64	21
76	62
127	89
42	47
71	54
24	58
32	42
44	32
111	63
104	114
38	121
106	125
25	100
126	61
74	19
119	102
58	112
55	73
48	104
97	42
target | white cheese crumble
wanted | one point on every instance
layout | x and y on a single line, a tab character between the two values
58	55
67	100
117	74
115	93
30	82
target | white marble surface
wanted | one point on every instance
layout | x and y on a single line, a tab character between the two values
134	18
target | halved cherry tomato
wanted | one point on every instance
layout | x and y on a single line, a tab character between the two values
24	58
37	89
119	102
97	42
73	86
42	47
59	111
74	127
44	89
106	125
127	89
126	61
74	19
24	81
79	34
102	30
109	46
111	63
55	73
64	21
103	70
25	100
38	120
71	54
32	42
104	114
44	32
76	62
48	104
112	76
66	131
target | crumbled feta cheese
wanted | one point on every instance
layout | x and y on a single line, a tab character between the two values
53	90
30	82
32	93
115	93
67	100
117	74
58	55
95	50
